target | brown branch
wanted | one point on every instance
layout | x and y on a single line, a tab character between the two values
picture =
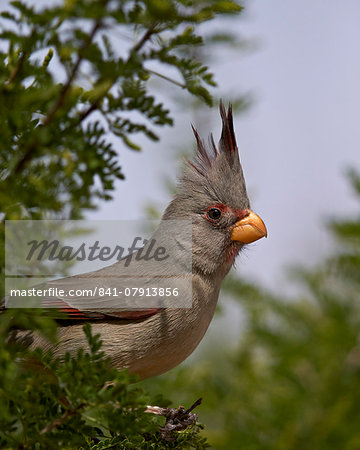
91	109
93	106
28	150
145	38
16	69
58	422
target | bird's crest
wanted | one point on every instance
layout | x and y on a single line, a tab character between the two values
206	156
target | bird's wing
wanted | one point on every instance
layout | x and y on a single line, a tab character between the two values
112	292
95	297
70	313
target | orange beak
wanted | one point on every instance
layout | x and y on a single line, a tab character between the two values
249	229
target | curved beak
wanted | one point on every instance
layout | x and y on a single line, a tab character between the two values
249	229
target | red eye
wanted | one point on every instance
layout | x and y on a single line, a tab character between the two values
213	214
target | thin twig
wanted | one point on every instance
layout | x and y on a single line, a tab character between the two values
28	150
91	109
72	75
171	80
158	410
16	69
145	38
58	422
193	406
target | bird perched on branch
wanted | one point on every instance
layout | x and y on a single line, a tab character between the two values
149	341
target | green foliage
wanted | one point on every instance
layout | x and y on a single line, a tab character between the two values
75	79
80	402
292	380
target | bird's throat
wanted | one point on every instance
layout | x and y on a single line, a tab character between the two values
231	252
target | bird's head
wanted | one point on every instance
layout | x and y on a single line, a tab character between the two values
212	193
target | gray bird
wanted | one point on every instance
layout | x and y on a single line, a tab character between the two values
152	340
